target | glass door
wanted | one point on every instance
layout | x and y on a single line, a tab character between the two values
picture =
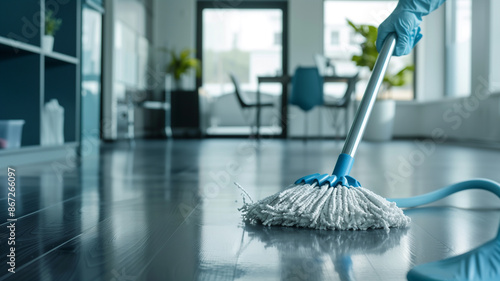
246	41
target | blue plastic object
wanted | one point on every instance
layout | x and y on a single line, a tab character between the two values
479	264
340	174
405	22
441	193
307	88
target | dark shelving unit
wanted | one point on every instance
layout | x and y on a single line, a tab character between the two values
21	21
30	76
20	93
66	38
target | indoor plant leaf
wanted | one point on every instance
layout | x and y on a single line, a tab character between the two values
369	55
180	63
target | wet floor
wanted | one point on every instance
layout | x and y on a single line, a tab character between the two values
168	211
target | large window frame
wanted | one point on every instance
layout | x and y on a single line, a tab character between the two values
226	4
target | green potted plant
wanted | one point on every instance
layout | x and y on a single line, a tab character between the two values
180	65
380	125
52	25
184	100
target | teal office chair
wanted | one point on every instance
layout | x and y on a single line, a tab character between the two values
307	90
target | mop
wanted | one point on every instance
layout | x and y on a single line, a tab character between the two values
479	264
337	201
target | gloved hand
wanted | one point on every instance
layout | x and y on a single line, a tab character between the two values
405	21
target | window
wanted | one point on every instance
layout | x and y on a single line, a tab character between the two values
277	38
248	41
334	38
341	42
354	38
458	47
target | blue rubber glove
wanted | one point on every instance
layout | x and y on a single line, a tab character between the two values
405	21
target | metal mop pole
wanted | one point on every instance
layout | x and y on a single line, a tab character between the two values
362	115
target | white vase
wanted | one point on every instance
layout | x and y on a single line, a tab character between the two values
185	81
178	84
172	84
48	43
381	123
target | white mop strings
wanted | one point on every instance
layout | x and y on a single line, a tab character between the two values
244	193
312	206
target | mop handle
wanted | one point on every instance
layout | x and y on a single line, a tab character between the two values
365	108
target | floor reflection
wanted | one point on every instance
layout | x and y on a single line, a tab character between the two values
313	255
149	213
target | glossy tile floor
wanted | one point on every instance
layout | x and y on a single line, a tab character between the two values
168	211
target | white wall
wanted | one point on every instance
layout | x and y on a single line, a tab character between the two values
485	44
305	21
174	23
132	16
480	41
430	76
174	27
109	99
473	118
495	46
408	119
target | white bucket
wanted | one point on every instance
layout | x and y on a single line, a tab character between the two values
11	133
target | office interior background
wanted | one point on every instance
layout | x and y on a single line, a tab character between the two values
122	164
